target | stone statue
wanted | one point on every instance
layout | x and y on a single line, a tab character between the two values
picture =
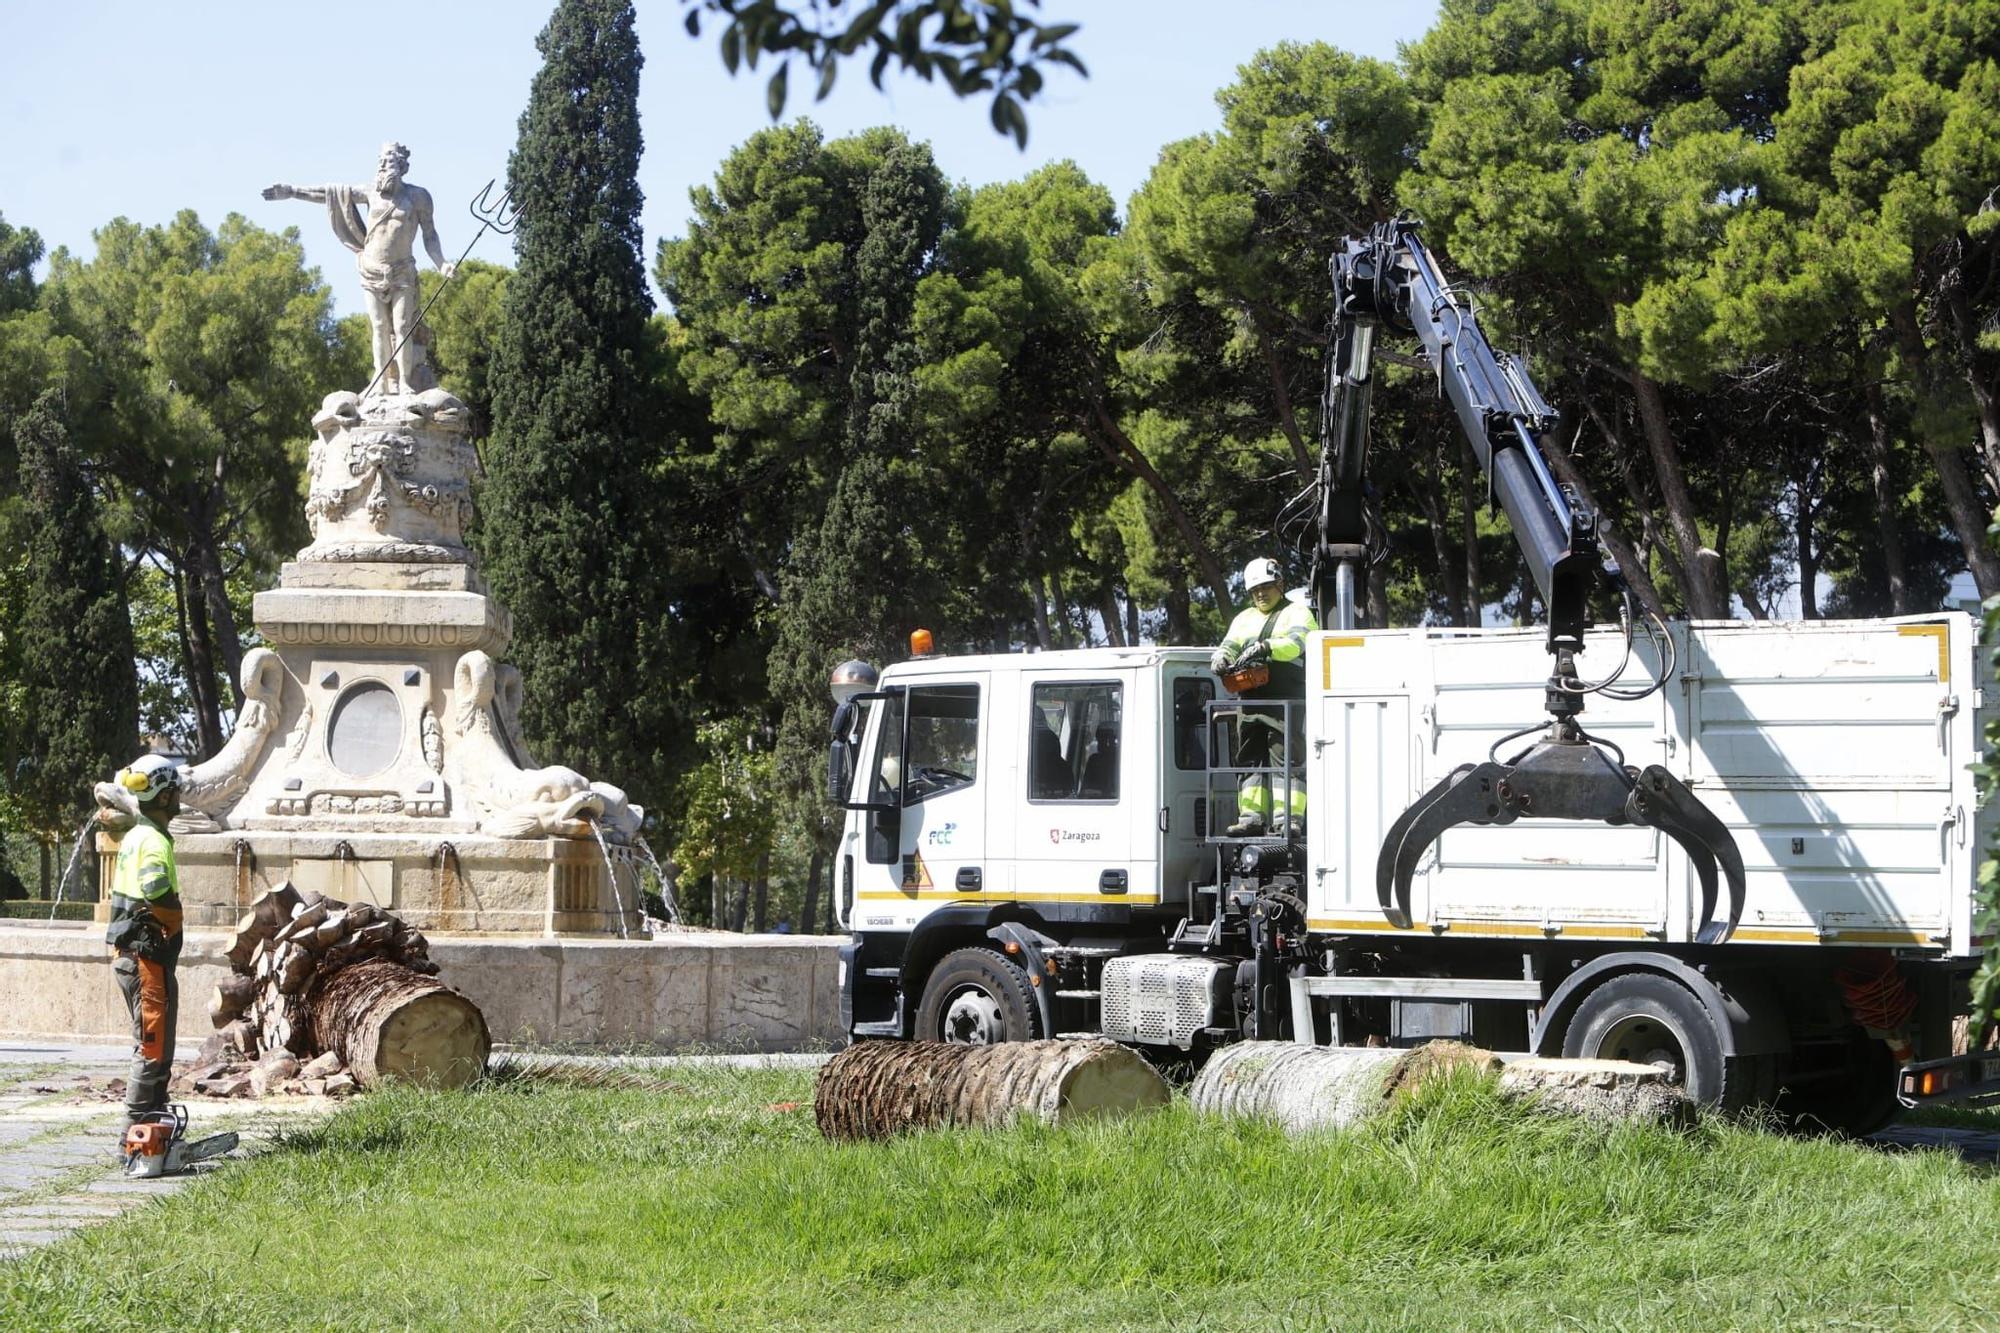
515	801
386	245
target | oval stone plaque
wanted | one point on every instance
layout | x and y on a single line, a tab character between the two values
366	731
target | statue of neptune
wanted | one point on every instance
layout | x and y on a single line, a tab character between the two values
385	246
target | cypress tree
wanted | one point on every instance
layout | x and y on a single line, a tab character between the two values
570	521
860	574
78	700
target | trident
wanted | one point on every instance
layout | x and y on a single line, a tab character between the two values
499	217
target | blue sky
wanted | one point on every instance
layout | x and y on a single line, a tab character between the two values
110	108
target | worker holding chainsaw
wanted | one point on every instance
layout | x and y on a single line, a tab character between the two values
146	930
1263	657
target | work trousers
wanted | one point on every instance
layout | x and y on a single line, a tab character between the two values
1260	744
153	998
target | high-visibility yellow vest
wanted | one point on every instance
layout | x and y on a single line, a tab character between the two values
145	868
1290	622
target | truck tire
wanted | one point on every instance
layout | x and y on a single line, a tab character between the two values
1652	1019
975	997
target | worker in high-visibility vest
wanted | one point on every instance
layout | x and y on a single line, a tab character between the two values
146	930
1271	630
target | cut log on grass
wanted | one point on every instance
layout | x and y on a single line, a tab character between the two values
1602	1090
385	1020
1321	1087
1331	1087
877	1089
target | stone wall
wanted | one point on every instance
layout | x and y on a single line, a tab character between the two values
739	992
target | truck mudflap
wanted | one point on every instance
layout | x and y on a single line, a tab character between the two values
1564	779
1973	1079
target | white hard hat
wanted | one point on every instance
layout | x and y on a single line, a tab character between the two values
1259	571
150	775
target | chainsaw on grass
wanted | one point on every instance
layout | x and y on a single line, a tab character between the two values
157	1144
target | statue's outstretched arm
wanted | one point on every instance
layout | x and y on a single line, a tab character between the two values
312	194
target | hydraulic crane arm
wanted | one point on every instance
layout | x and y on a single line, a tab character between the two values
1387	279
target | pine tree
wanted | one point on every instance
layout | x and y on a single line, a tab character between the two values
78	701
570	521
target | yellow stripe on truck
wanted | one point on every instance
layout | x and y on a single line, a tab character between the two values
1327	645
1504	929
1943	635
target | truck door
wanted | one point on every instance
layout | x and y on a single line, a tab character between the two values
1183	816
1087	784
927	761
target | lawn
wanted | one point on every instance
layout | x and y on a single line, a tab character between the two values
710	1201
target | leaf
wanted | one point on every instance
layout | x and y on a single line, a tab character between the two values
866	24
878	64
829	67
732	48
1055	32
1008	118
774	94
1065	58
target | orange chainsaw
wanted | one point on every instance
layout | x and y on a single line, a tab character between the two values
156	1144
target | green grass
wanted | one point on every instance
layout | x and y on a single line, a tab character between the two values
704	1202
20	1078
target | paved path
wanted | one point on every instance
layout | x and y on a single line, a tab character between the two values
60	1111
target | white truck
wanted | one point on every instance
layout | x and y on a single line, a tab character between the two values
1757	869
1033	848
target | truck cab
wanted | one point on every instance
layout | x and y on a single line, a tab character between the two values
1016	804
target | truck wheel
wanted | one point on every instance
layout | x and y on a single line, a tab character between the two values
1654	1020
975	997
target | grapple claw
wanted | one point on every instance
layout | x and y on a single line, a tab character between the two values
1469	794
1662	801
1563	779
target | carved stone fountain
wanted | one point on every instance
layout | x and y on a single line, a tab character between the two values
378	754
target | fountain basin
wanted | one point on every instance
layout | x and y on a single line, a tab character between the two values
705	989
461	883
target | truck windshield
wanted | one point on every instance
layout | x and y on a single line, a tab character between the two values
942	753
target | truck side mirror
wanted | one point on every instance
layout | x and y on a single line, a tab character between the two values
839	770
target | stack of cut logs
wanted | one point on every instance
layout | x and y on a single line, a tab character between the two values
336	994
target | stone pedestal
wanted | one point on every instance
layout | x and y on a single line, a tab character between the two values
378	755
